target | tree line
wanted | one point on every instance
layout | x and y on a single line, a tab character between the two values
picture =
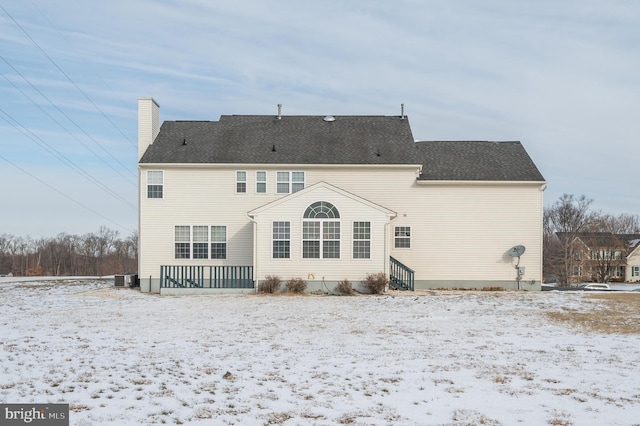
92	254
573	216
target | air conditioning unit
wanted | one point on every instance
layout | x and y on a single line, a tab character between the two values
125	280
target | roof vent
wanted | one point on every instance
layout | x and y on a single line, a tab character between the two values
329	118
279	111
402	111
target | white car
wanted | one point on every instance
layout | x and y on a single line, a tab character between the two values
595	287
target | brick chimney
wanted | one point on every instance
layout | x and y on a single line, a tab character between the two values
148	123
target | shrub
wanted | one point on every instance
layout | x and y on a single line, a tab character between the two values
376	283
271	284
296	285
344	287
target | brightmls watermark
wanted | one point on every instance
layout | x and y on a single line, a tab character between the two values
34	414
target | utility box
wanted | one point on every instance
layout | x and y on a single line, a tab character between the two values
126	280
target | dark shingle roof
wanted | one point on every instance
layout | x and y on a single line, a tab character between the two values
297	140
476	160
260	139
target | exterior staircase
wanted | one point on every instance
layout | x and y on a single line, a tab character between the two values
401	277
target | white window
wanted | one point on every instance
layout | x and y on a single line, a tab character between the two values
200	242
241	181
155	183
289	182
281	240
402	237
261	182
321	231
183	242
218	242
635	271
361	240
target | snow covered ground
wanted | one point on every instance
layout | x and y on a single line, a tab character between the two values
425	358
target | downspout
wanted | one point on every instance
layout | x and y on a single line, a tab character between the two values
387	244
255	253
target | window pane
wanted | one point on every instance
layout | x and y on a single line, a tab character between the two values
182	234
261	176
331	249
218	250
182	251
154	191
283	188
154	177
361	249
219	234
331	230
241	187
311	249
283	176
311	230
297	187
200	234
261	187
297	177
281	250
403	243
241	176
200	250
361	230
281	230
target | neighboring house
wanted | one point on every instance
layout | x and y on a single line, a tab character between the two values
6	273
604	257
632	272
325	198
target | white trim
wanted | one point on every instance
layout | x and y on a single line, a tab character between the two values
246	182
322	184
353	240
266	183
541	184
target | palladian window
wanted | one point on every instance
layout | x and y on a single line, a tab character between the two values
321	231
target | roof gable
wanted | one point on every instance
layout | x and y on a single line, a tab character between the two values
318	187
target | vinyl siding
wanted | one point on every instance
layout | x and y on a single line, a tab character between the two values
350	210
459	231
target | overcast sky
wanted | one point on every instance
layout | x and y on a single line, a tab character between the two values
561	77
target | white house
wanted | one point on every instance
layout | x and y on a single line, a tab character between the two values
225	203
632	270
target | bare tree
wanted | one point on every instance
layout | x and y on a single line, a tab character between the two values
609	242
568	217
103	253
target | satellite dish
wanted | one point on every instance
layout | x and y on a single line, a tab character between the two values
516	251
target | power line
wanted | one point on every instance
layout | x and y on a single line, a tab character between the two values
60	124
39	141
66	196
67	77
94	70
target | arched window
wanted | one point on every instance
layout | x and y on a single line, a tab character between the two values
322	210
321	231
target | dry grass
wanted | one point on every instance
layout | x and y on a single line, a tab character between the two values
619	313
